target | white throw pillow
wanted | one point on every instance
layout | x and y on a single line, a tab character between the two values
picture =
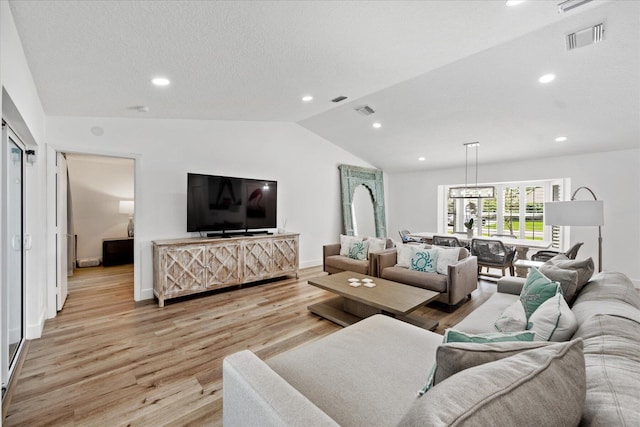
512	319
447	257
553	320
405	253
346	242
376	245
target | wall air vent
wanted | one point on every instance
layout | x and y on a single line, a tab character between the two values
585	37
567	5
339	98
365	110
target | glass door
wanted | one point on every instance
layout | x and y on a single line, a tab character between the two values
13	327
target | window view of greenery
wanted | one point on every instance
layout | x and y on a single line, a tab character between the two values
509	213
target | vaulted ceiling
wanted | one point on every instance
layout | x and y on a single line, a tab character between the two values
437	73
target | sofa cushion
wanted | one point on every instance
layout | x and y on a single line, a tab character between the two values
536	290
347	264
568	279
452	358
447	257
424	260
431	281
353	375
519	390
553	320
452	335
583	267
345	243
483	318
612	359
359	250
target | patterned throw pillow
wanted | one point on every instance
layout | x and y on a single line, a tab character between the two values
358	250
405	253
345	243
424	260
536	290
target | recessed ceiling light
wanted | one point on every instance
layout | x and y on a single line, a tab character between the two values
561	139
547	78
514	2
160	81
377	125
307	98
422	159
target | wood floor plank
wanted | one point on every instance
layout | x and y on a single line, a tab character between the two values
105	360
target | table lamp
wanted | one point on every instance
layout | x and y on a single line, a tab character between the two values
578	213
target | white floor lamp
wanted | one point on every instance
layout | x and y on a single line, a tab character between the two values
578	213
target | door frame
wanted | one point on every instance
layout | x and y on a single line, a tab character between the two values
7	371
51	154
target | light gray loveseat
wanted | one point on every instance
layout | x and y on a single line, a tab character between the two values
461	278
368	373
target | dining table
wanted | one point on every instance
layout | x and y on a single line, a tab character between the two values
522	246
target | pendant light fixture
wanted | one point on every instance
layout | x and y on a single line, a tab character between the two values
471	191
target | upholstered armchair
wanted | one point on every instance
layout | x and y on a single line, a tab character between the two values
333	262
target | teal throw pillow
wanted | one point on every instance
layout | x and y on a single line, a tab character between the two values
359	250
536	290
451	335
424	260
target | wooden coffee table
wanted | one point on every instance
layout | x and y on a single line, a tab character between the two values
387	297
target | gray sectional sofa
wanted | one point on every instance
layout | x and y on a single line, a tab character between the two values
368	373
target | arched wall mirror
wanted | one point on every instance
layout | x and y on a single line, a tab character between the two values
363	208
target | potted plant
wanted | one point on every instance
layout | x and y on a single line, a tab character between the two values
469	226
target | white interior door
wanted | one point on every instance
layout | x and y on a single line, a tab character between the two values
61	230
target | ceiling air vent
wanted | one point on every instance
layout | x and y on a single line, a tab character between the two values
585	37
567	5
339	98
365	110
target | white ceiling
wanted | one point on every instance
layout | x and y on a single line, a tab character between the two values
438	73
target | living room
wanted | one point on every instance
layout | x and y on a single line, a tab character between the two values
301	144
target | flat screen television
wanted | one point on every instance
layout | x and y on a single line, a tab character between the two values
224	203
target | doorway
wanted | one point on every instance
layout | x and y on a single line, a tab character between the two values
95	205
13	252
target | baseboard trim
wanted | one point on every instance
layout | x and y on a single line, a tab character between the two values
34	331
311	263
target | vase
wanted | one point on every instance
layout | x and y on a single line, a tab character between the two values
469	233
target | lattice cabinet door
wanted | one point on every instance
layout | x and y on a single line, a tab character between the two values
184	270
285	255
257	262
223	265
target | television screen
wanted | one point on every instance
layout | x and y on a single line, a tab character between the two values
219	203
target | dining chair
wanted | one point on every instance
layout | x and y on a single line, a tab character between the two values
447	241
493	254
546	255
404	236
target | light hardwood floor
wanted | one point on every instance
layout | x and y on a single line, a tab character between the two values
107	361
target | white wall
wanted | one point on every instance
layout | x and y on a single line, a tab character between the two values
305	166
613	176
21	106
97	186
